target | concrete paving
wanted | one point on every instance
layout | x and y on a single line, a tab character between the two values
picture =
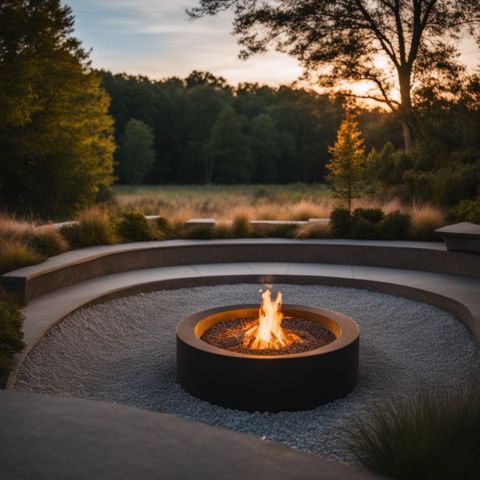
46	437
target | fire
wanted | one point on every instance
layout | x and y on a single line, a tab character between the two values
268	333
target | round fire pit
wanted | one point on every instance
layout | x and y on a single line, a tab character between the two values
280	382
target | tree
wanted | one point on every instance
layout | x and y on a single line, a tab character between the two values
344	40
227	153
348	164
264	141
137	154
204	105
198	79
56	145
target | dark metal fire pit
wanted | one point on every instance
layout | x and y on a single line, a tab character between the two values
268	383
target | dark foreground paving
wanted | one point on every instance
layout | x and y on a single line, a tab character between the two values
44	437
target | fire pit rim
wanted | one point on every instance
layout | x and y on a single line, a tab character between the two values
349	331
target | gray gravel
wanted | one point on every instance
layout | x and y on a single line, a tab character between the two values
124	351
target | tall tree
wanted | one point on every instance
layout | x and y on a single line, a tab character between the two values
227	152
264	142
56	143
204	104
344	40
348	164
137	154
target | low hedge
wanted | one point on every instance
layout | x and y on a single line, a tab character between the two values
370	224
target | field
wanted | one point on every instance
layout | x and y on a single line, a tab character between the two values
224	203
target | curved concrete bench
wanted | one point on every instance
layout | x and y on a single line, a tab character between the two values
82	265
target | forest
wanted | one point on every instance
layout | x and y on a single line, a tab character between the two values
201	130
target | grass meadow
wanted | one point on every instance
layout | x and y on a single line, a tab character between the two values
227	202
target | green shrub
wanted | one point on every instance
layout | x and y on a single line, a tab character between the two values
200	232
48	242
394	226
362	229
363	223
340	223
430	436
222	231
11	334
452	184
94	227
286	230
15	254
468	211
132	226
389	165
372	215
165	229
419	184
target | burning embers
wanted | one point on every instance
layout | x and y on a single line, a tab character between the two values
270	333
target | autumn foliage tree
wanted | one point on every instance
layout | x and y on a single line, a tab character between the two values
347	167
393	45
56	144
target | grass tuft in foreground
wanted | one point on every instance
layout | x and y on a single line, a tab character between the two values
434	435
11	335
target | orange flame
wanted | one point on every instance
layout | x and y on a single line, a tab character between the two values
268	333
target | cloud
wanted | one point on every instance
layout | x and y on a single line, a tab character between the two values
156	38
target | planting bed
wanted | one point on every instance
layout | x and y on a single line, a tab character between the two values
124	351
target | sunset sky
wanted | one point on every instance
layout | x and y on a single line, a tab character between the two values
155	38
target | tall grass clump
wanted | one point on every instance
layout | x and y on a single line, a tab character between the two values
45	241
12	228
94	227
425	219
48	241
15	254
434	435
11	334
313	230
241	227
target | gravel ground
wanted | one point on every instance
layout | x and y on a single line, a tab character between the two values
124	351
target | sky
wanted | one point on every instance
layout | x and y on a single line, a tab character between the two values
157	39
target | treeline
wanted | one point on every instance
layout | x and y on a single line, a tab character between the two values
202	130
